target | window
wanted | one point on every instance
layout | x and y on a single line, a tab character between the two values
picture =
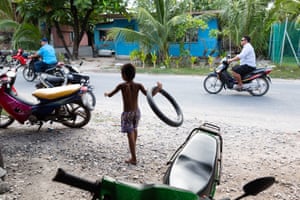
102	35
191	35
71	36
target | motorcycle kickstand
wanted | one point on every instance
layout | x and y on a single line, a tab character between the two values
40	126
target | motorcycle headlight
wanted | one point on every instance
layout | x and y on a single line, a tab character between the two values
11	74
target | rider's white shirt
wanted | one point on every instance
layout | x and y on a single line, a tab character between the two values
247	56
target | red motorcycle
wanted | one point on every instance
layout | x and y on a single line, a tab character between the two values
20	59
256	82
65	104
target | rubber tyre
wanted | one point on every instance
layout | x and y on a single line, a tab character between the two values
59	73
158	112
212	84
73	112
5	119
262	87
91	99
29	74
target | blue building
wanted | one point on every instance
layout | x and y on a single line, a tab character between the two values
199	43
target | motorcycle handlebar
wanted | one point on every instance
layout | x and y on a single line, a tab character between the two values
68	179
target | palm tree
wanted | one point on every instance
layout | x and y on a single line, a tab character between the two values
247	17
25	35
6	10
155	28
285	8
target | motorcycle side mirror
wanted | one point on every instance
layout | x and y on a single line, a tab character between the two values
11	74
256	186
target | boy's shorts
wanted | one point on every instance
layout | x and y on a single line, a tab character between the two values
130	121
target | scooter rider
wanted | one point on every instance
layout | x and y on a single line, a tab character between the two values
247	61
47	52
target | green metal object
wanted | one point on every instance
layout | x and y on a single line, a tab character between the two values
284	44
115	190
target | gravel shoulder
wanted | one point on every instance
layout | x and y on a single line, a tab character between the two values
99	149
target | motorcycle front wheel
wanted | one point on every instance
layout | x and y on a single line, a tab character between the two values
29	74
260	86
5	119
75	115
212	84
91	99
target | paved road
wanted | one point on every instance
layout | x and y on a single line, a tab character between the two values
279	109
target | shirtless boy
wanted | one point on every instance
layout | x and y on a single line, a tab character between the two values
131	113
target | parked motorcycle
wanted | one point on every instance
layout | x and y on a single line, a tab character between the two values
71	75
256	82
20	59
193	173
65	105
197	163
6	58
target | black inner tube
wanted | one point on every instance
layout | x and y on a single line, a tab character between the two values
161	115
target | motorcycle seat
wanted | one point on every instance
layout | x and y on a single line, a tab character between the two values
56	92
194	167
256	71
51	68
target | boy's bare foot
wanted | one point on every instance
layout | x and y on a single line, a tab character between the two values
130	161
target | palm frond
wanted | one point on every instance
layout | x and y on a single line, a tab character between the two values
27	36
8	25
6	11
126	34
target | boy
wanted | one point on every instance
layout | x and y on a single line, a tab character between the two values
131	113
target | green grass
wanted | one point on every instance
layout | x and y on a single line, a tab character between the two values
180	70
286	71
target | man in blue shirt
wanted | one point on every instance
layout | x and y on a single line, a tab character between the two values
247	61
47	53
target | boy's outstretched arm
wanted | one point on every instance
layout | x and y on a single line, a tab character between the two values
110	94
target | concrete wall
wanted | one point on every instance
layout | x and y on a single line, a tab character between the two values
84	51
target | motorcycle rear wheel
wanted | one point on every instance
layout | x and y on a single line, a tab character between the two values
5	119
56	72
75	114
59	73
261	88
212	84
29	74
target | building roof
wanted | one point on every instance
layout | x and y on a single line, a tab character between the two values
122	16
